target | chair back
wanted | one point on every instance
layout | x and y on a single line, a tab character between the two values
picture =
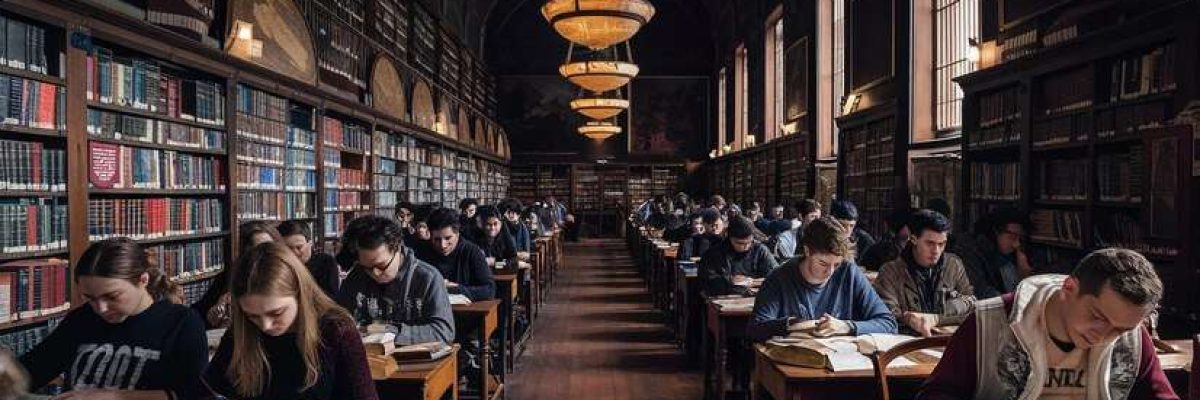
1194	379
881	360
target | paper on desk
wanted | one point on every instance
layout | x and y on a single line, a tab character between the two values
459	300
735	303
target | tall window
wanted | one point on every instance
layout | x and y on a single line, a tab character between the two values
773	84
839	65
741	106
831	73
956	22
722	139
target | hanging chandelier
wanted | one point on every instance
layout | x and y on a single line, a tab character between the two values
599	76
596	130
599	108
597	24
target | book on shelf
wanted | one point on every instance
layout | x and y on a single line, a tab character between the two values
33	288
335	224
259	177
345	179
142	83
21	341
999	111
32	224
341	51
1063	180
1124	229
391	146
109	125
182	261
389	25
33	104
346	135
151	218
1149	72
23	46
343	201
995	181
1068	91
1064	227
30	166
195	290
1119	175
114	166
275	205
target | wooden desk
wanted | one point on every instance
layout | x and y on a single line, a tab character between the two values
787	382
688	307
484	317
424	384
666	274
507	289
722	325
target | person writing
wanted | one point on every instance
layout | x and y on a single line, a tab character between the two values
926	287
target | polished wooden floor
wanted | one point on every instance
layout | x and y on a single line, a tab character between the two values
599	337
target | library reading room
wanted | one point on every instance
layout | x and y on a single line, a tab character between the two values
599	199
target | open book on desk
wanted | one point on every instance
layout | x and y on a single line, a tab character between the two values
734	303
838	354
459	300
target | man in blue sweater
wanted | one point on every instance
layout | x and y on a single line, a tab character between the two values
822	286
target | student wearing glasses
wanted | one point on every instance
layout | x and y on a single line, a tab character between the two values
388	284
992	256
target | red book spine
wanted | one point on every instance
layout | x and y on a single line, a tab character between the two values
35	163
31	226
160	215
46	112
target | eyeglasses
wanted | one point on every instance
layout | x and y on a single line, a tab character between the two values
379	267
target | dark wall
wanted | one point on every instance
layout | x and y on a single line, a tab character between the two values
524	53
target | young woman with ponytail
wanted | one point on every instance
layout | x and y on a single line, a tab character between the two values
287	339
132	340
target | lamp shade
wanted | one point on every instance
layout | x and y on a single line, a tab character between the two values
597	24
599	108
599	76
599	130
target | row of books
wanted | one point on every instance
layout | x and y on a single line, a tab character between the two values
21	341
390	183
1063	227
299	180
114	166
335	224
30	166
1062	129
195	290
275	155
33	288
1128	119
1068	91
386	199
23	46
1147	73
1119	175
389	25
270	131
144	83
999	106
389	167
346	135
153	217
1118	229
33	104
996	181
181	261
109	125
259	177
275	206
343	201
332	157
345	178
391	146
28	224
1063	179
252	102
340	49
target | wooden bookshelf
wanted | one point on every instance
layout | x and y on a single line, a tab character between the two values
336	88
777	172
1092	126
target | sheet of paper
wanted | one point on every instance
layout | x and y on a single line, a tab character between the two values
458	299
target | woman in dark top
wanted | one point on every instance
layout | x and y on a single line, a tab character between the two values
133	341
287	340
214	305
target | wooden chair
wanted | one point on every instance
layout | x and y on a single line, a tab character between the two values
1194	378
881	360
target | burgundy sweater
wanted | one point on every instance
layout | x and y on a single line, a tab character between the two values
344	371
954	376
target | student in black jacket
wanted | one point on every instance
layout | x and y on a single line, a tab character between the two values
132	340
461	262
697	245
493	238
726	268
323	268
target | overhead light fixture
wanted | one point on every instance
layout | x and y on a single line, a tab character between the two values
596	130
599	76
597	24
599	108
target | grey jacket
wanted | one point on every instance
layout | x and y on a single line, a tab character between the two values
416	302
901	291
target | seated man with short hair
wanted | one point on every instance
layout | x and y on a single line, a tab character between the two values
926	287
324	269
1060	337
819	286
461	262
727	268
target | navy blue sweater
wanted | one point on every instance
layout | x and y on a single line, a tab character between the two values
847	296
